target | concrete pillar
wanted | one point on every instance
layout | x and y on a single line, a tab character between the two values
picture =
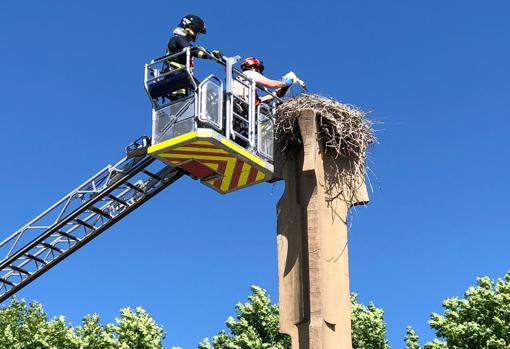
313	271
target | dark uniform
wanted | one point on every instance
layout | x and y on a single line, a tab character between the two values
175	45
187	32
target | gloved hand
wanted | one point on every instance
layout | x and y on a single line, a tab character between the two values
291	75
288	82
217	54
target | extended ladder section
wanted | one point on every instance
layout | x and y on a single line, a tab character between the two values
80	216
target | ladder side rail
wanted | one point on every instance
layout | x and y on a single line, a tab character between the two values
68	235
73	215
154	186
70	231
151	181
91	186
54	206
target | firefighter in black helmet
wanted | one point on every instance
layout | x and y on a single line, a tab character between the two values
187	32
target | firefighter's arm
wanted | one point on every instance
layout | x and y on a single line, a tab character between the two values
268	83
200	52
266	98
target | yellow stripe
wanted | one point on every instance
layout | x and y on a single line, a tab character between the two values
213	167
202	150
260	176
171	142
243	178
241	151
175	64
228	175
203	143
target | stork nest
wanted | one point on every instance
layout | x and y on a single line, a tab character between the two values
343	128
344	131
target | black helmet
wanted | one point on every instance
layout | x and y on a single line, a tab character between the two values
194	23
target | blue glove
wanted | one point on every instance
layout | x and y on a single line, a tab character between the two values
288	82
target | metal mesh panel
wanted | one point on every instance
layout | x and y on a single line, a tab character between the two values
211	104
265	134
174	120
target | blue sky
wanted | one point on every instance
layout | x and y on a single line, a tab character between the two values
436	73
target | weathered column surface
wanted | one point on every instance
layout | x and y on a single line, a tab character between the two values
313	268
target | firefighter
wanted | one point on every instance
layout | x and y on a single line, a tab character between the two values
253	69
187	32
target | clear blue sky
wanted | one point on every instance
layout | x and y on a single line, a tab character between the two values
435	72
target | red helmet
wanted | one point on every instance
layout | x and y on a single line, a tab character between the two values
252	62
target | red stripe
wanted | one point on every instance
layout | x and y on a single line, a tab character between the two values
188	152
221	169
222	166
236	174
252	176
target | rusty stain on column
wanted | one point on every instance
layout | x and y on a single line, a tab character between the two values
313	271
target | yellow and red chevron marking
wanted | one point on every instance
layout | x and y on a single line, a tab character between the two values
234	170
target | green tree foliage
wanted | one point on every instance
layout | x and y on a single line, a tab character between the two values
255	326
368	326
480	320
26	326
137	330
411	339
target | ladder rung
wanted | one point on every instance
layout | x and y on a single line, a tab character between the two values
79	221
116	199
69	236
51	247
20	270
37	259
7	282
100	212
150	174
134	187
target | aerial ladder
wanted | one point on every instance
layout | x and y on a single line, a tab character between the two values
211	135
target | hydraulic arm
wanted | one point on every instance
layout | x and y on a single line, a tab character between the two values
80	216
